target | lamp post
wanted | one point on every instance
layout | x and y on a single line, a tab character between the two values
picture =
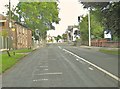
89	28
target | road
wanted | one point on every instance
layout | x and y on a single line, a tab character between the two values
52	66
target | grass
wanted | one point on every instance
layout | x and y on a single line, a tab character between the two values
23	50
108	51
7	62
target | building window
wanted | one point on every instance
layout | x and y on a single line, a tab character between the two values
2	24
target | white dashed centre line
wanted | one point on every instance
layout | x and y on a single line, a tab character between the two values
59	47
57	73
40	80
77	59
91	68
43	66
45	69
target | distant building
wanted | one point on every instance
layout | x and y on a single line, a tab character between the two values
73	33
50	39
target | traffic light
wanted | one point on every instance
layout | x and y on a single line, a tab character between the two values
78	18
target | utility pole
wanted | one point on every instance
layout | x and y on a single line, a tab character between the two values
9	24
89	28
9	28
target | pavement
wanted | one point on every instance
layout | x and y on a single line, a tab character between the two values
97	48
52	66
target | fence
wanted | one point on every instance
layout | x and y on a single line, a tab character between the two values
3	42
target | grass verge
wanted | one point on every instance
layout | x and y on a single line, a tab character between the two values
7	62
23	50
109	51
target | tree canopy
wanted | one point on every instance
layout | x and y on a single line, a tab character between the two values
96	26
37	15
108	14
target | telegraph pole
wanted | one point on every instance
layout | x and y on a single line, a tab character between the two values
9	24
9	28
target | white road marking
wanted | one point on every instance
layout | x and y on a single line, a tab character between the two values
77	59
80	61
45	69
94	65
52	59
91	68
59	47
40	80
57	73
43	66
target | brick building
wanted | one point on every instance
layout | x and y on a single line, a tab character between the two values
3	32
22	35
17	37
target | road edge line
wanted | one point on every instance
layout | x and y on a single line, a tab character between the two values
94	65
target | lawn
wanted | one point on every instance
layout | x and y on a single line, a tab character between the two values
108	51
7	62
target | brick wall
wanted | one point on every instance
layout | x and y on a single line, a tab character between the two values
104	43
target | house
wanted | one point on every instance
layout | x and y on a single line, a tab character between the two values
17	37
22	36
73	33
3	32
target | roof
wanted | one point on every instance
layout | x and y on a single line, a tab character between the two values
22	25
2	21
2	17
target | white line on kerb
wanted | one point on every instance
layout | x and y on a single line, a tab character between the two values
97	67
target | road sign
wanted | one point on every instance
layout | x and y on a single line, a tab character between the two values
107	34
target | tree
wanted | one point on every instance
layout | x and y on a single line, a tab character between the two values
84	29
96	26
58	38
38	15
64	37
109	12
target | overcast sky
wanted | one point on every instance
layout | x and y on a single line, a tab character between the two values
69	12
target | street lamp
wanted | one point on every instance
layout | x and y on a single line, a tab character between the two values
89	26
